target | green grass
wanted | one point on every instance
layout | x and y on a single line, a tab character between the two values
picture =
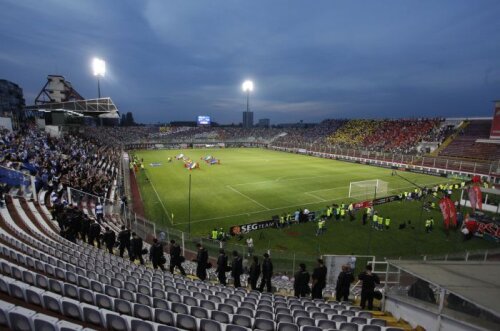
254	184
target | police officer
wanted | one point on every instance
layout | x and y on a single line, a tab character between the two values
318	280
369	280
109	239
301	282
202	260
156	255
380	224
221	267
267	274
94	232
387	223
175	257
136	248
124	239
237	269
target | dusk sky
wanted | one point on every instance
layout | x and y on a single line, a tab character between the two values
309	60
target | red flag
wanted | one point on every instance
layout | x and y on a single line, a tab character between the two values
443	205
472	197
453	212
479	196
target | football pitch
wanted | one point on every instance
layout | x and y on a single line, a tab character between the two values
253	184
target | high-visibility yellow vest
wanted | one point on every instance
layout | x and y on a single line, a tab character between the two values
387	221
380	220
375	218
214	234
351	207
342	212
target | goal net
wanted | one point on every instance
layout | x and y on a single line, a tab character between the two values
367	189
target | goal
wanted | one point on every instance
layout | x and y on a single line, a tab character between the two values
368	188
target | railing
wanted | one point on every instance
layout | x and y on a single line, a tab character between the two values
18	183
433	164
284	261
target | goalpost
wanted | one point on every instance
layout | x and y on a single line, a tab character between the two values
368	188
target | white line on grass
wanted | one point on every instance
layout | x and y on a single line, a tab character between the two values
281	179
164	209
315	196
246	196
292	206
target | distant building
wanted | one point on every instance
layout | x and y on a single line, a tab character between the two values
264	123
248	119
11	97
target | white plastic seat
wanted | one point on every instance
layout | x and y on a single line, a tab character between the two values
42	322
103	301
210	325
123	307
56	286
114	321
70	291
242	320
264	324
86	296
68	326
52	302
92	315
71	308
5	307
34	295
17	289
20	318
186	322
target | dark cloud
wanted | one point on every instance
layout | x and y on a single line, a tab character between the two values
173	60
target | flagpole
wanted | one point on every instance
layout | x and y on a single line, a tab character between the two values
189	206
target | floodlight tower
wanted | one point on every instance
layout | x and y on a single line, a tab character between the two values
99	69
247	86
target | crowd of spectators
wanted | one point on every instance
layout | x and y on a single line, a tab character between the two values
224	134
118	135
315	134
58	163
396	136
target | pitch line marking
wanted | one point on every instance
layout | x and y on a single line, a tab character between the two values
281	179
246	196
163	206
291	206
315	196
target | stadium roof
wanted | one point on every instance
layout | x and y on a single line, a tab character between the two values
476	282
88	107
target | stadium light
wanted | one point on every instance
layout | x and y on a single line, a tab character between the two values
247	86
99	69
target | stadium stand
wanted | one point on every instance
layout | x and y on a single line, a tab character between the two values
396	136
61	282
51	279
465	145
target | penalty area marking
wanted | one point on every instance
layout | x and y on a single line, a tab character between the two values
246	196
291	206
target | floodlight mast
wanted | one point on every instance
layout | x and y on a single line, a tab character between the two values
99	69
247	87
